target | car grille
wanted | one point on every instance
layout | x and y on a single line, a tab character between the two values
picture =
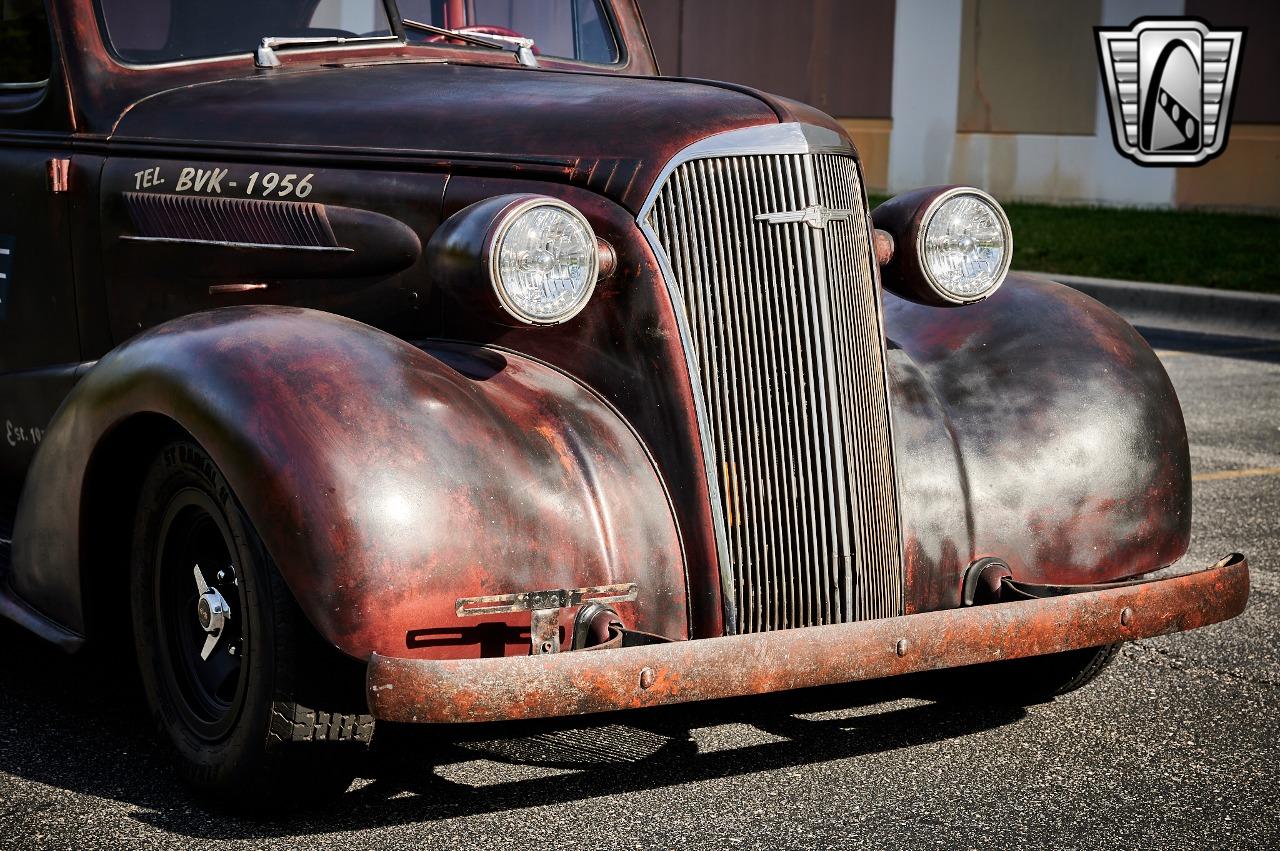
785	326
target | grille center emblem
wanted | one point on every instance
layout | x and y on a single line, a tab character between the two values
816	216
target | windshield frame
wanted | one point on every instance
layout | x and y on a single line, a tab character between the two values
97	87
397	40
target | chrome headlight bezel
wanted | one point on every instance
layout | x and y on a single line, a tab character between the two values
926	220
902	225
507	219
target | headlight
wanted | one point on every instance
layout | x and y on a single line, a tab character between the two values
944	246
965	245
543	261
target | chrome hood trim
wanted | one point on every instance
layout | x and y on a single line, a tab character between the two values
763	139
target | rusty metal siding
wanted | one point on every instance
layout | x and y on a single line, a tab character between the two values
789	349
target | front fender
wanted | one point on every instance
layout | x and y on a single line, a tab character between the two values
386	481
1038	427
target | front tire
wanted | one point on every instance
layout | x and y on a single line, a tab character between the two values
1027	681
259	710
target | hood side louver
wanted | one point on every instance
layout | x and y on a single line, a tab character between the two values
239	221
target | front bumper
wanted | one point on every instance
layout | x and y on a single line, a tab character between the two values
575	683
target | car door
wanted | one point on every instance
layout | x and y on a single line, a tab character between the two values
39	340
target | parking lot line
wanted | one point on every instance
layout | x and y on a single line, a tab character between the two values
1219	475
1249	350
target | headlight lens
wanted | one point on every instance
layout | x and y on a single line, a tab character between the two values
544	261
966	246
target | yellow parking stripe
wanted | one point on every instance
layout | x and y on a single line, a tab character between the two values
1219	475
1167	353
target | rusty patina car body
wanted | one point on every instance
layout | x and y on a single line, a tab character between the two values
768	472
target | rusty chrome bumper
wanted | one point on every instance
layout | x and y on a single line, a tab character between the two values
575	683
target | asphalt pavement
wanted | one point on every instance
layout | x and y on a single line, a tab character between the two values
1177	745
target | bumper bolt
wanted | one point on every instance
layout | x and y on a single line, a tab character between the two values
647	676
901	647
1126	616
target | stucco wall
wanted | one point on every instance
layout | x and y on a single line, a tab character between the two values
925	147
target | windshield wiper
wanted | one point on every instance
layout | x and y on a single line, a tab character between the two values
265	55
521	47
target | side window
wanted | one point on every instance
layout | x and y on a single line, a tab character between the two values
139	28
25	54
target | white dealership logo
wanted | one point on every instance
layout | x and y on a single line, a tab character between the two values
1169	84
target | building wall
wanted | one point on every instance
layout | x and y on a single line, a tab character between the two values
924	93
1247	174
1003	94
834	54
1014	57
1076	163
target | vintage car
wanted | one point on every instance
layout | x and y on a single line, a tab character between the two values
444	363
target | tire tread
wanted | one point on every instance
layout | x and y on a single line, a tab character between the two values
293	722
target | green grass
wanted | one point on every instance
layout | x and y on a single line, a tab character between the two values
1222	250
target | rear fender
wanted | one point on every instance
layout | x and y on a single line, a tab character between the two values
386	481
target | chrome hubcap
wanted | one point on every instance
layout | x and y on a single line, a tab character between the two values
212	613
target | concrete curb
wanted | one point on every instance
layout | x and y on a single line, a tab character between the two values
1197	309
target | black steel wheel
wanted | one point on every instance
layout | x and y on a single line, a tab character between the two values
259	710
200	609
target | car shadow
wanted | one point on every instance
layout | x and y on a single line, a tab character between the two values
80	724
1212	344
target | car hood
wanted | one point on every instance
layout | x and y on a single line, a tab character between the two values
609	129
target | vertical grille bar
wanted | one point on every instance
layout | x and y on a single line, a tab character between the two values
788	343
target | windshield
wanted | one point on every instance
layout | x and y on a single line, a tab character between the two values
562	29
150	31
146	32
